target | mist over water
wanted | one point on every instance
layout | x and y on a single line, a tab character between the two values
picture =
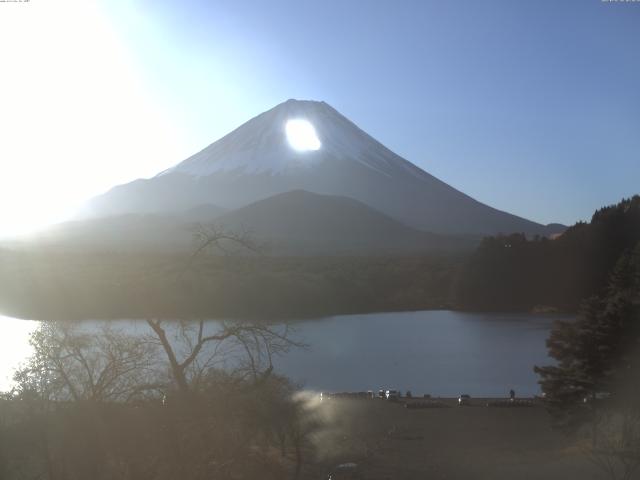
442	353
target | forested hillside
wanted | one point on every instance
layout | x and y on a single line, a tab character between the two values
514	273
79	285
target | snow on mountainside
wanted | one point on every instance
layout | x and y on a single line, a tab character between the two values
260	145
256	161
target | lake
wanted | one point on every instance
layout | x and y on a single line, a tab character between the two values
442	353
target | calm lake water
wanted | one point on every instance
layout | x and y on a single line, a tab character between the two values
442	353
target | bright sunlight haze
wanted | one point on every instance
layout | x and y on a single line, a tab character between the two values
301	135
76	119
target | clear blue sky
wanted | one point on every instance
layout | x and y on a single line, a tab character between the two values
529	106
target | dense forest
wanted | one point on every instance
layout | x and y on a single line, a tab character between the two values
515	273
508	273
78	285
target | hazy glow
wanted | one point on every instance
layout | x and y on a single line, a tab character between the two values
14	347
75	116
301	135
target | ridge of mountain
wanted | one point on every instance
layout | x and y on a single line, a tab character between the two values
255	161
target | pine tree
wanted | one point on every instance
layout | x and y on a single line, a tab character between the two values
597	353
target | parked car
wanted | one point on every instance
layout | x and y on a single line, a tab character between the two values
392	395
464	399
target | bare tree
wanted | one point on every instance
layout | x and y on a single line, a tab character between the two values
71	364
247	348
87	427
217	238
194	350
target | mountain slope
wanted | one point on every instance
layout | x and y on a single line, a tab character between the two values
302	222
255	161
123	233
296	222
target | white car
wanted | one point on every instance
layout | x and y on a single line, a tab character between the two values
392	394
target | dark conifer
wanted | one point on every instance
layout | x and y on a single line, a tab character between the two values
597	353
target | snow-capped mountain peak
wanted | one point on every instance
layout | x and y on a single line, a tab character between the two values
328	155
261	145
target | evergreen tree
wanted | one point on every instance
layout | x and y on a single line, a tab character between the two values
515	273
597	353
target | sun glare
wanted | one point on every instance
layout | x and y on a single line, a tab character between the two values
301	135
76	116
14	347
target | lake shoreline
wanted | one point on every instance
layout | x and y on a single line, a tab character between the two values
436	352
292	317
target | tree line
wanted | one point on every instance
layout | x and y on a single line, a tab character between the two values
512	272
74	285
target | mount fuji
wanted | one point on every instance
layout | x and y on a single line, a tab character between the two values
257	161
